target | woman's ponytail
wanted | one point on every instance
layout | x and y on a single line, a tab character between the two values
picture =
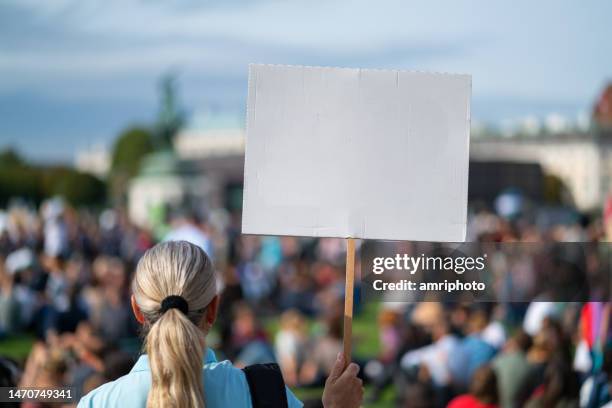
173	286
175	348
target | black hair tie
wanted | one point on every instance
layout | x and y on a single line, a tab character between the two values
174	302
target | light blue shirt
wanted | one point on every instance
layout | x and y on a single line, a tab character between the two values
224	386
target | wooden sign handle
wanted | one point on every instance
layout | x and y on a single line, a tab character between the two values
348	299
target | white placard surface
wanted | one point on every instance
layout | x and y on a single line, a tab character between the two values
341	152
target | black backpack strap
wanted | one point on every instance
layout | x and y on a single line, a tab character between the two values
266	385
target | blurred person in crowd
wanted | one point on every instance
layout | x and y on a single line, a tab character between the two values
548	345
106	296
427	314
10	373
88	356
185	225
22	227
419	395
321	353
432	362
390	337
257	282
483	391
330	249
45	368
60	296
607	219
4	239
175	298
538	312
596	391
249	341
395	338
494	332
55	230
329	298
297	284
289	345
115	364
23	283
93	290
9	306
114	311
559	388
472	351
512	369
232	295
110	232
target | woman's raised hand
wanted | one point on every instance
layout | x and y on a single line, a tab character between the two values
343	389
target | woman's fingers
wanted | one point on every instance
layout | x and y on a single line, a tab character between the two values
343	388
337	369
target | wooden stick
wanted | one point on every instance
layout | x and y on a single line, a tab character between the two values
348	299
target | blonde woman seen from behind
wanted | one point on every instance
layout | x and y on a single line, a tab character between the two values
174	298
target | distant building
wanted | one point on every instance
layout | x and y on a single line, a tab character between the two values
581	161
209	136
205	171
214	145
95	160
528	178
165	181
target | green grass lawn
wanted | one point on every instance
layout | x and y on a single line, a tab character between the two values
17	347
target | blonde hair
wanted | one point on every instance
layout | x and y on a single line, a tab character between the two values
174	342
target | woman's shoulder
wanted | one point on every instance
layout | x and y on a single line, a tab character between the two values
224	372
224	383
130	390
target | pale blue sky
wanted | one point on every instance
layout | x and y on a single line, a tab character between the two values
73	73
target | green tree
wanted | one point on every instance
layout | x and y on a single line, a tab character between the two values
130	148
10	158
76	187
19	181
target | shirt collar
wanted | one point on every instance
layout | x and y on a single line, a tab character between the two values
143	361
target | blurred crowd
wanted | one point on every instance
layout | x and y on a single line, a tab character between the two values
65	276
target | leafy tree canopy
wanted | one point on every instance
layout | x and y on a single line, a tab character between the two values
129	149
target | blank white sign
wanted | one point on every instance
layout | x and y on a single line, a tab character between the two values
373	154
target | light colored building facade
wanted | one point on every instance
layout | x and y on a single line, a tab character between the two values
208	156
581	161
94	160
